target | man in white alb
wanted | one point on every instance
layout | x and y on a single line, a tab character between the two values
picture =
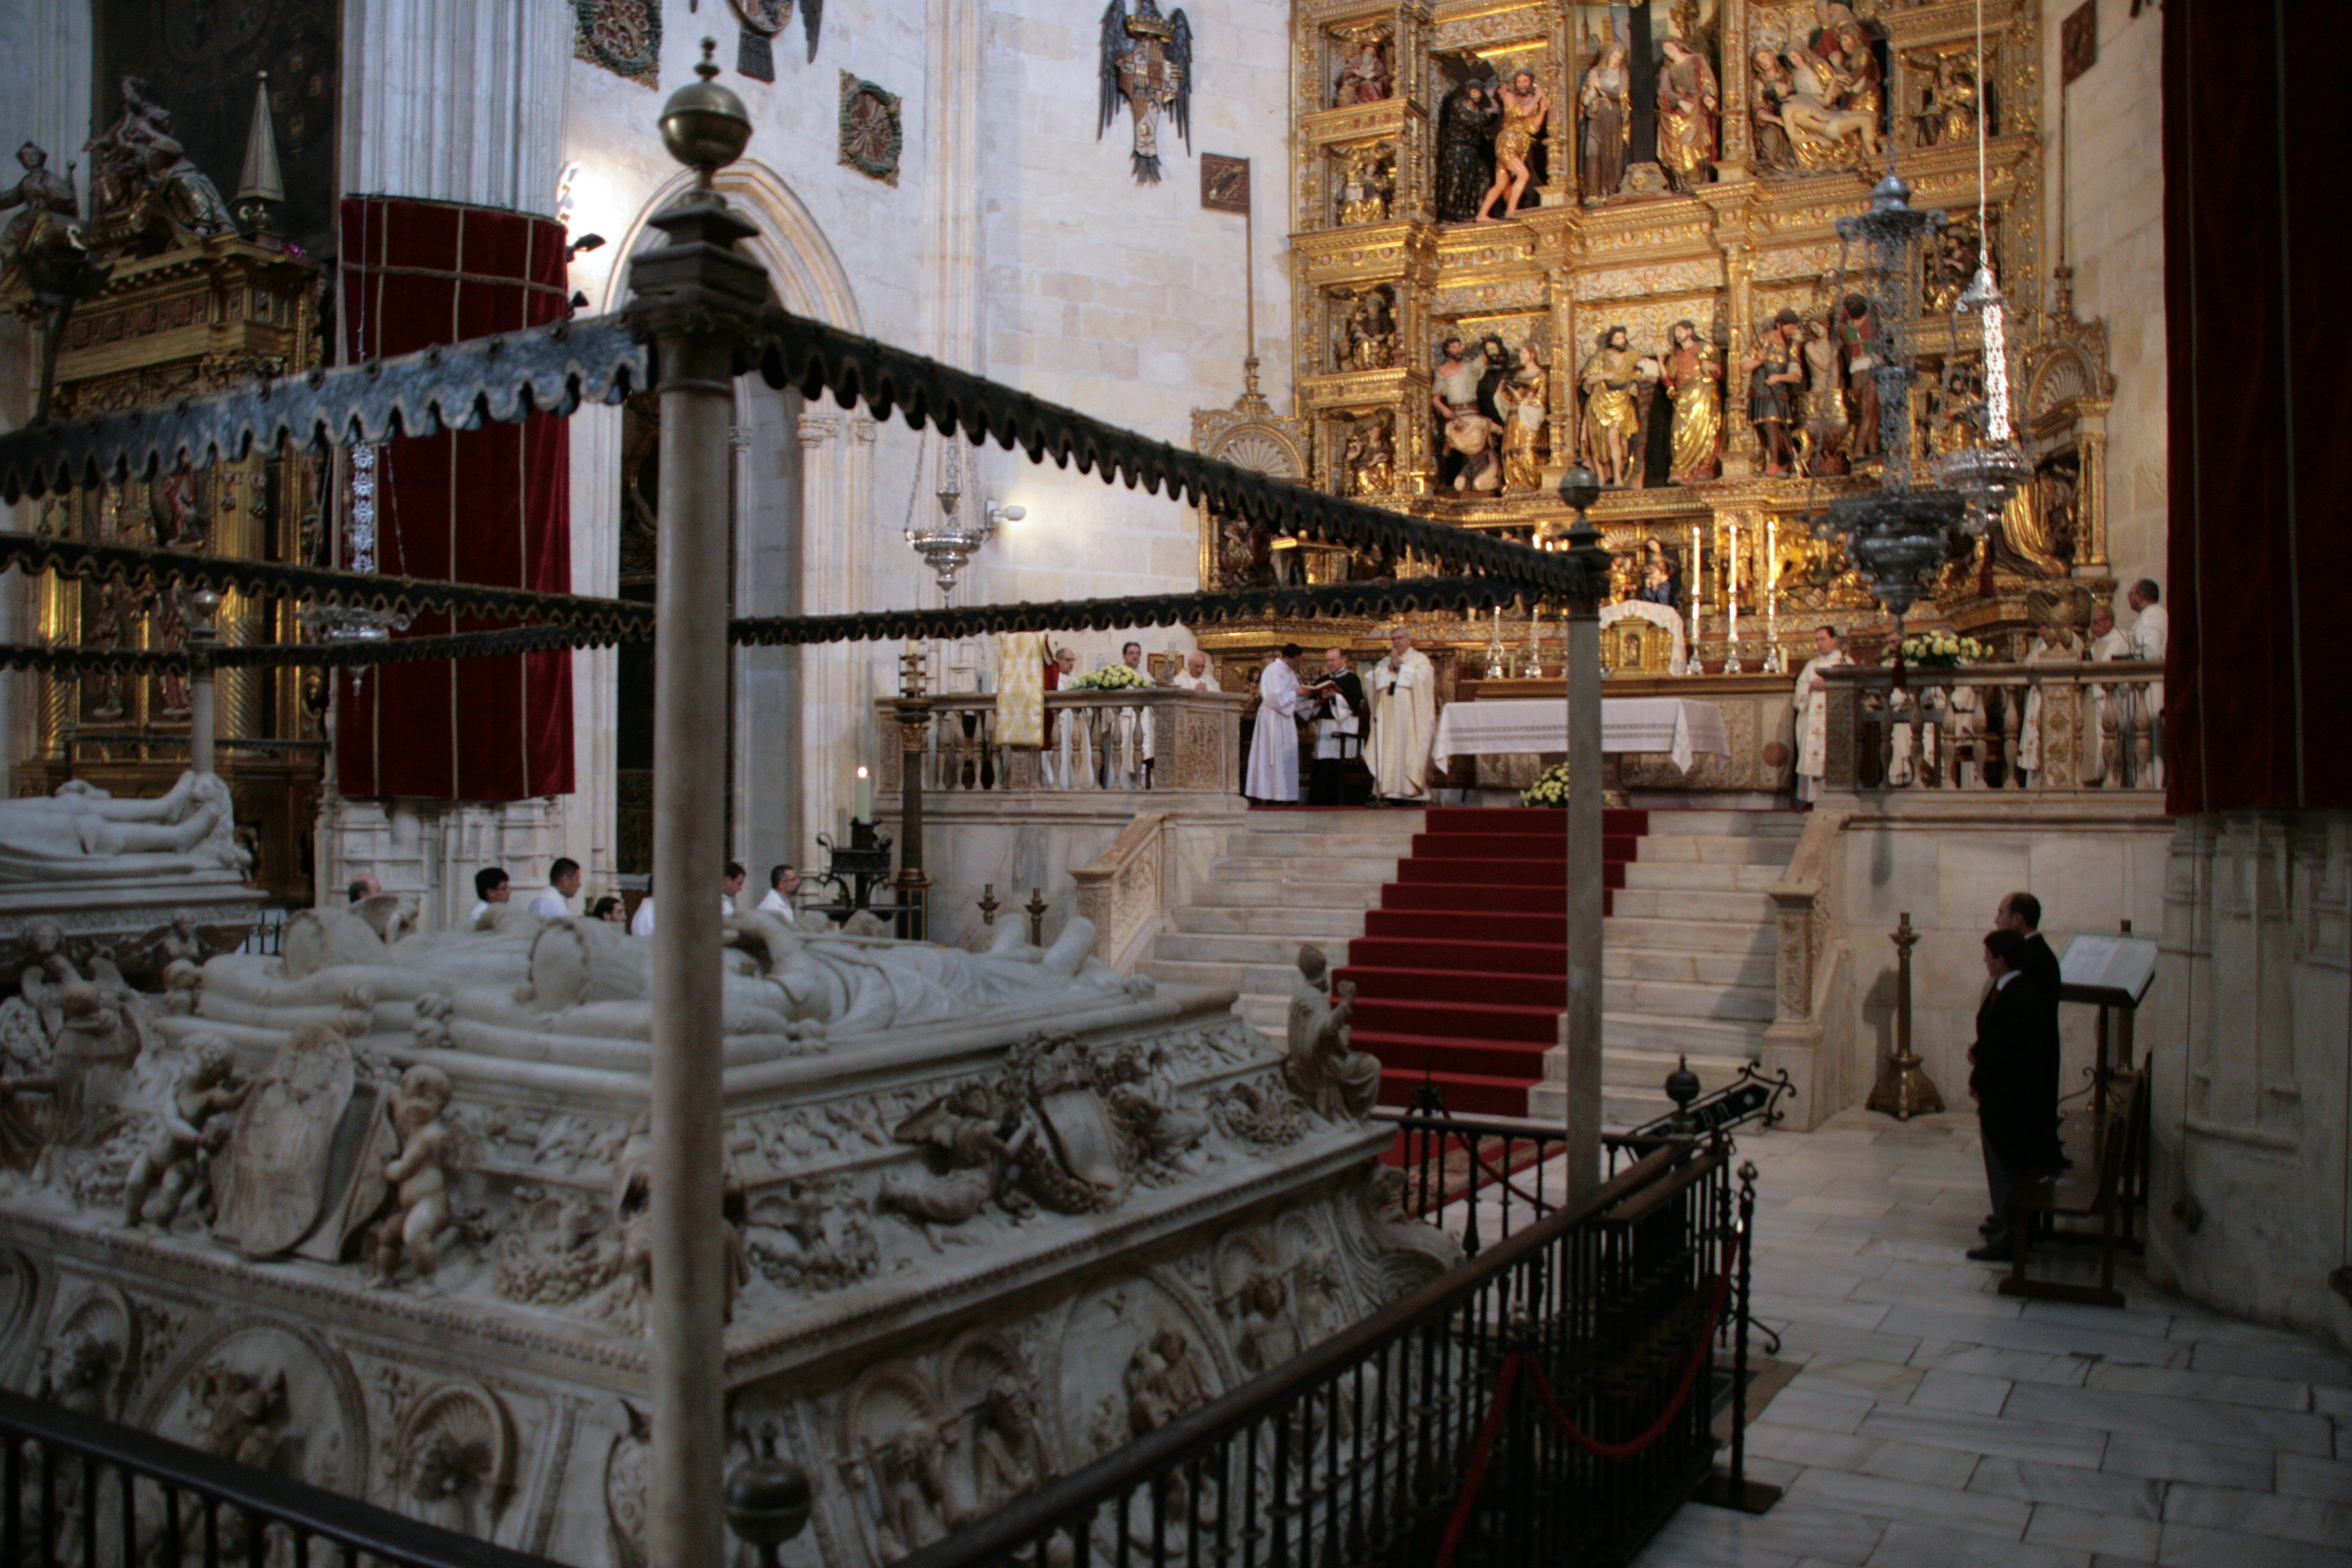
562	883
1273	742
2108	643
1403	692
2151	629
490	887
1812	704
1138	718
1195	676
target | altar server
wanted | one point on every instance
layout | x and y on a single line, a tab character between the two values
1813	703
1404	722
1274	743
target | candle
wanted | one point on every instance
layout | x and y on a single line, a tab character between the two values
1731	604
1772	581
863	808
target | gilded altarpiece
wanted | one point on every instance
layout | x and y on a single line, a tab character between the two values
1667	270
198	318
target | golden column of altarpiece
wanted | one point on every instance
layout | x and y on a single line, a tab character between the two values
1688	163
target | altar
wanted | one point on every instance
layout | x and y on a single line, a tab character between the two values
1671	725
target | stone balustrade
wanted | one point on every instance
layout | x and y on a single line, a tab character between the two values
1149	740
1993	727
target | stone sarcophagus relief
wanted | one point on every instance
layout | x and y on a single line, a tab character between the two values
372	1212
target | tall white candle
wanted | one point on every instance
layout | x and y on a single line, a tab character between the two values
1772	581
1731	603
863	807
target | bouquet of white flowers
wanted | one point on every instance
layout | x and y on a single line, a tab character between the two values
1549	790
1110	678
1943	650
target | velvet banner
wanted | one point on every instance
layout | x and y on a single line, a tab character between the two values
487	506
2260	405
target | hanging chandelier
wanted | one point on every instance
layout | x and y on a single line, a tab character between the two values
948	545
356	623
1897	535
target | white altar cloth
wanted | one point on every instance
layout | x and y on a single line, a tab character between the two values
1669	724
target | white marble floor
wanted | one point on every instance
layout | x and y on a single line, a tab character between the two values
1936	1424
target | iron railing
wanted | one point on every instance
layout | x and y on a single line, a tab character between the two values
81	1491
1357	1452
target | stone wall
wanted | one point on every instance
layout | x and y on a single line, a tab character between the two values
2113	238
2252	1024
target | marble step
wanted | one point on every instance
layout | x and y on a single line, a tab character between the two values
1193	947
1712	876
1747	939
1250	841
1745	909
1265	979
1789	825
1219	893
1714	849
1370	869
1682	966
1731	1039
1727	1004
1315	924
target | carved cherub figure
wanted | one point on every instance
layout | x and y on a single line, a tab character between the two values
421	1186
173	1165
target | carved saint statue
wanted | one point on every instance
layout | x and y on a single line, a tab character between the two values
1466	148
1371	459
1776	383
1366	77
1826	426
1526	111
1147	63
1771	87
47	222
1366	185
1613	425
1525	425
1337	1083
1689	108
1857	327
1948	106
143	176
1826	127
1606	98
1693	375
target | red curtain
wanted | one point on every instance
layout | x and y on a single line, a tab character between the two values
2260	405
488	506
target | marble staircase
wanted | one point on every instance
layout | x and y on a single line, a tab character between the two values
1288	878
1689	946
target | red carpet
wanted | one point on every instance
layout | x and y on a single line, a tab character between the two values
1462	971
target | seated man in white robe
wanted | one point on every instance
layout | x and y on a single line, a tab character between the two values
1274	743
2152	630
2099	715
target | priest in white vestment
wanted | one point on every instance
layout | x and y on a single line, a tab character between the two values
1195	676
1812	704
1403	692
1274	743
2151	629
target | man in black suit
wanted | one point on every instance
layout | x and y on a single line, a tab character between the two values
2021	912
2015	1080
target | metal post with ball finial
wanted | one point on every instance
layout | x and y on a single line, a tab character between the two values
693	297
1581	1024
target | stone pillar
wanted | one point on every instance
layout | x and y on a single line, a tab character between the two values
454	100
693	296
1580	1025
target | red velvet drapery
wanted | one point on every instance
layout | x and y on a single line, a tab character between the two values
2260	394
490	506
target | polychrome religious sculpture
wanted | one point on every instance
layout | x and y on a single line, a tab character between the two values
1613	425
1770	86
1526	110
1147	64
1689	106
1776	383
48	219
1466	148
1366	77
1693	374
1523	432
1606	99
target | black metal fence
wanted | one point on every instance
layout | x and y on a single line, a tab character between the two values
1598	1317
80	1492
